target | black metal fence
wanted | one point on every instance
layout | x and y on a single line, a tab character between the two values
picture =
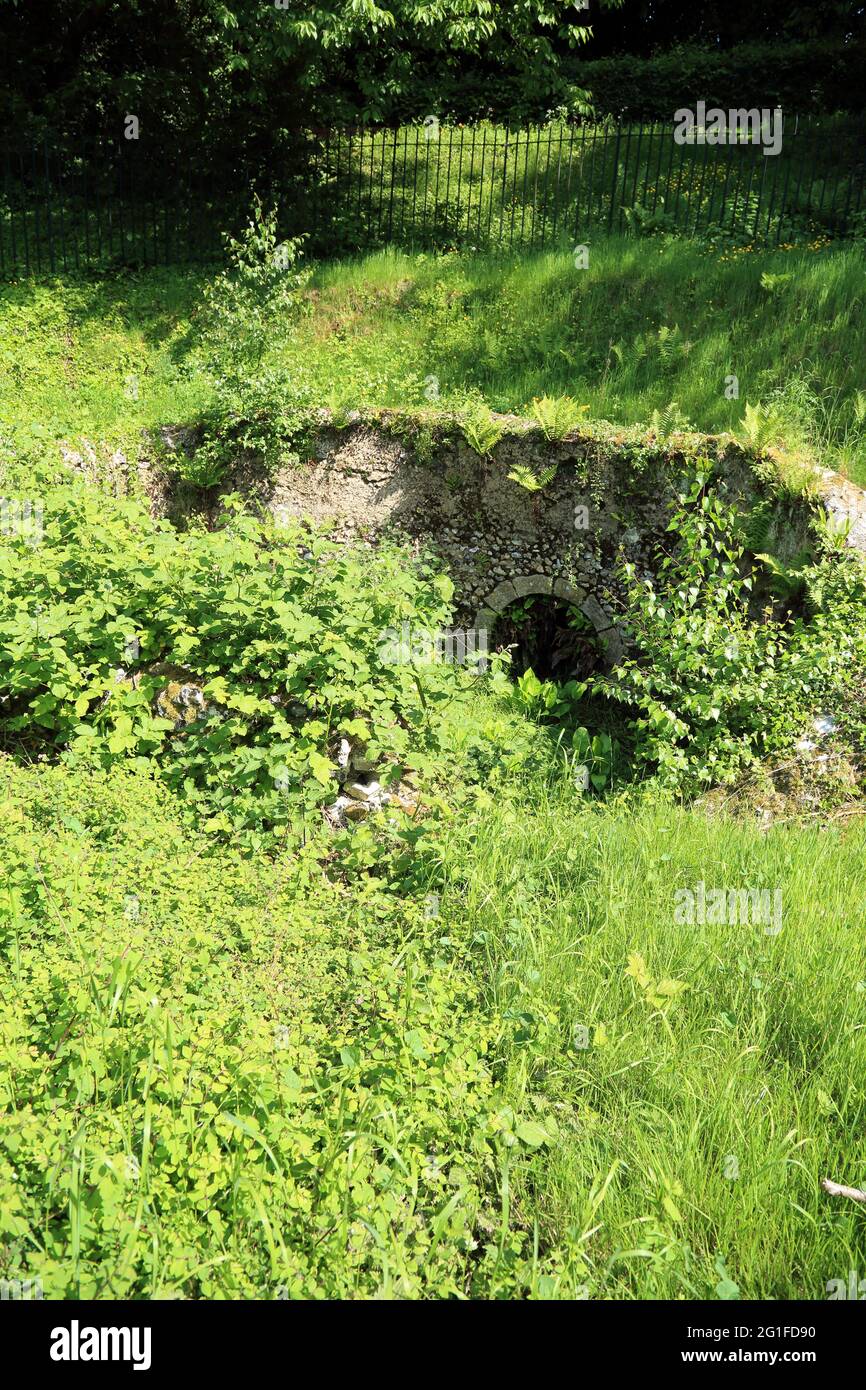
433	186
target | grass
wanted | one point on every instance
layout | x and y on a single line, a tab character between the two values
291	1078
693	1138
649	326
479	1054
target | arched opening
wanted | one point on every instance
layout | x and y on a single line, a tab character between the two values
549	636
556	628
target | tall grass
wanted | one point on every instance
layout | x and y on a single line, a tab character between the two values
692	1138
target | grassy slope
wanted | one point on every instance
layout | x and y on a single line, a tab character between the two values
393	329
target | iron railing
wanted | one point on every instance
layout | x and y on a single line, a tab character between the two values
428	185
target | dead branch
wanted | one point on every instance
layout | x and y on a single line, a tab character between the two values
836	1189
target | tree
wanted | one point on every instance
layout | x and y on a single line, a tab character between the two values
245	72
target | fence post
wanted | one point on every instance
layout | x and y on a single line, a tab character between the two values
615	177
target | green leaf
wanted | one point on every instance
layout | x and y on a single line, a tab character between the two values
531	1133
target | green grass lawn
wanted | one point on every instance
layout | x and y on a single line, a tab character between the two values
648	326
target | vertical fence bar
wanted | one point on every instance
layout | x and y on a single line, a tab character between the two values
815	134
427	144
493	182
680	171
393	183
771	197
481	184
457	209
739	157
823	193
403	170
843	226
602	179
751	179
760	194
323	203
85	211
804	143
784	201
433	232
590	187
724	190
448	177
117	200
515	163
622	195
672	145
523	193
856	208
24	210
534	220
501	235
7	198
615	178
547	189
701	186
61	198
579	195
98	211
415	185
656	134
637	167
154	213
48	217
361	134
37	237
7	202
568	180
382	187
370	186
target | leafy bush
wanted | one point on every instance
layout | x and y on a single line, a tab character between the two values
277	629
710	689
250	311
238	1118
814	76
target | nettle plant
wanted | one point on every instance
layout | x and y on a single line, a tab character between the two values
710	689
248	319
275	630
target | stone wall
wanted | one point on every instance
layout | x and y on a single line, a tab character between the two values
416	475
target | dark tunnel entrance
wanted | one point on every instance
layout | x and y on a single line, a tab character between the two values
550	636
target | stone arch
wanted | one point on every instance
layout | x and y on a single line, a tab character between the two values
525	585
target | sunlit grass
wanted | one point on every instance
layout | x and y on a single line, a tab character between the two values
646	324
718	1116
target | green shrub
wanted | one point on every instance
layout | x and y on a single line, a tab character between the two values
710	689
249	314
815	76
280	628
